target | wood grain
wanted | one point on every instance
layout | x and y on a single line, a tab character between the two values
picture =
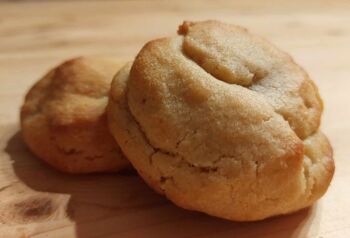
36	201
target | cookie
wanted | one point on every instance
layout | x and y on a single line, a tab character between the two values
221	121
63	117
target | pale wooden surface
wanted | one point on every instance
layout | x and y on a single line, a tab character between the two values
36	201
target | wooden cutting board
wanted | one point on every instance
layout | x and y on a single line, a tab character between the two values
36	201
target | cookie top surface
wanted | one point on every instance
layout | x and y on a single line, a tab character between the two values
233	55
74	92
63	116
216	118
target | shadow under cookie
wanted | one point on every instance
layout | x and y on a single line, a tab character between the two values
113	205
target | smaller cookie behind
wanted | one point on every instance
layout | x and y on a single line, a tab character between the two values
63	117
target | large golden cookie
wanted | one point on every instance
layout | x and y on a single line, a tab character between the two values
221	121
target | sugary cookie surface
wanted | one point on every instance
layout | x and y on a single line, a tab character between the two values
221	121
